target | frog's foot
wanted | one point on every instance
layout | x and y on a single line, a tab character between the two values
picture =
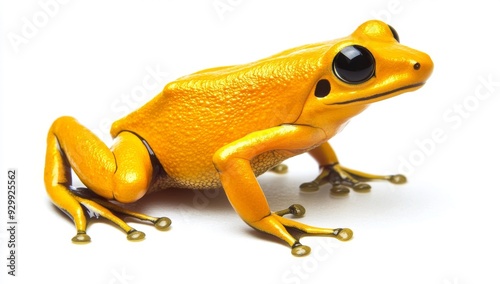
98	206
342	179
277	225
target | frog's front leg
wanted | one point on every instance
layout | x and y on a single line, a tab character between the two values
340	177
233	162
122	173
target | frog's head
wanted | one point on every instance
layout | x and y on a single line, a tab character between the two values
370	65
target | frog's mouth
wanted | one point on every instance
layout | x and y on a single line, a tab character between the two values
376	96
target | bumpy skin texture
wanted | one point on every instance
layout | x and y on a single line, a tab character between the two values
222	127
198	114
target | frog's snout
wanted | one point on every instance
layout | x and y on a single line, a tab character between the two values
423	67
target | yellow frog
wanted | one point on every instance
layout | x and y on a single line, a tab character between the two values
224	126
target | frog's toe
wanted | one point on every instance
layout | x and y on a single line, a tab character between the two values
361	187
299	249
81	238
339	190
397	179
296	210
134	235
312	186
279	169
162	223
343	234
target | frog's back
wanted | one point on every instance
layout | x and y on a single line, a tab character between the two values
197	114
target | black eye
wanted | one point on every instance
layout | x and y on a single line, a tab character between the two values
354	64
394	33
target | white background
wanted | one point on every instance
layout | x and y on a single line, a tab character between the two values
89	59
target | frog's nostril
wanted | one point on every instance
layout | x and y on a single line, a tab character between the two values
416	66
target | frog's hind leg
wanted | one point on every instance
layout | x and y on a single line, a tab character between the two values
123	173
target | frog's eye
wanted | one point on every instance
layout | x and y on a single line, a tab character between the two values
354	64
394	33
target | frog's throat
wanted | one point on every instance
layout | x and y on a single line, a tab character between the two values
376	96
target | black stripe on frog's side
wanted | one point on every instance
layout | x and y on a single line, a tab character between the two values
378	95
155	163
